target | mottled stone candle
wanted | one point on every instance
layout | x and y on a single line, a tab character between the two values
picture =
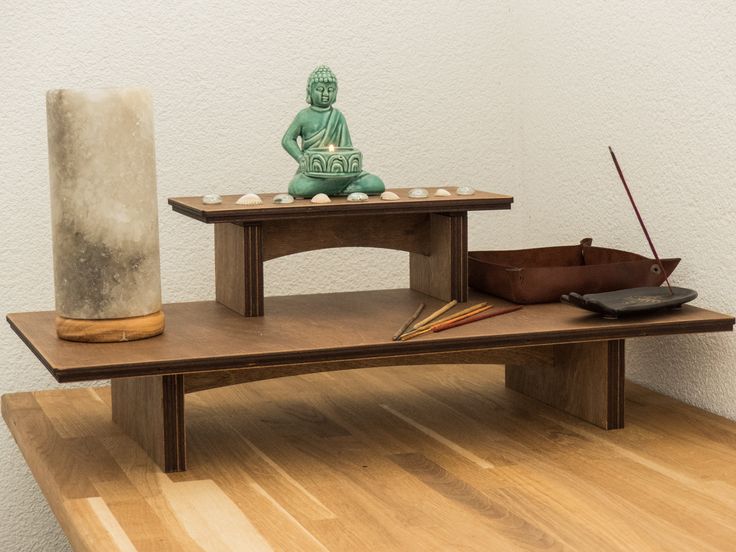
102	169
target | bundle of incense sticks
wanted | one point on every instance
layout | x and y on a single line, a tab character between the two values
463	314
459	320
403	329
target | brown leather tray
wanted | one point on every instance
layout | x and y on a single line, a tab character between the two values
543	274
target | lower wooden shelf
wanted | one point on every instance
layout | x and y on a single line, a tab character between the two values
555	353
205	336
439	457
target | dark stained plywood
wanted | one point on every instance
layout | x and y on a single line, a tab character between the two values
444	272
229	211
151	411
585	379
205	336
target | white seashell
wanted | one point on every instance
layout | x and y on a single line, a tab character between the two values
283	198
442	192
211	199
418	193
465	190
321	198
389	196
249	199
358	196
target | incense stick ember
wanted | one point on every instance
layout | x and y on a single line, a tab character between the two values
641	221
435	314
409	322
449	317
476	318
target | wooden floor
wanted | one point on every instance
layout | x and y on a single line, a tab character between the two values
414	458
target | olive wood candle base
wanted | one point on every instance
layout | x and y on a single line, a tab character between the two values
111	330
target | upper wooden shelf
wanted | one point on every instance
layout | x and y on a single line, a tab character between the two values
206	336
229	211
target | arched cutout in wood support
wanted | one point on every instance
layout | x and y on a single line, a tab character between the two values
287	237
536	357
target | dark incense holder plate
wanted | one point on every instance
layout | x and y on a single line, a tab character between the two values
623	302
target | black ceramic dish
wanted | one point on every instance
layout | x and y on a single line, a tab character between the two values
622	302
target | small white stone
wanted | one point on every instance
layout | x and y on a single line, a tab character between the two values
389	196
249	199
211	199
283	198
358	196
321	198
465	190
442	192
418	193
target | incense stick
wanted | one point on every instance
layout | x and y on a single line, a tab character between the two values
476	318
435	314
455	315
409	322
641	221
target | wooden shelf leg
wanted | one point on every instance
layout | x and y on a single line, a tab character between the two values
444	272
151	411
239	267
586	380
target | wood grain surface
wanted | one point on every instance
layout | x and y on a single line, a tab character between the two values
443	273
206	336
585	380
426	458
239	267
151	411
229	211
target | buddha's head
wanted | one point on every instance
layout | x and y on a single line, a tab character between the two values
322	87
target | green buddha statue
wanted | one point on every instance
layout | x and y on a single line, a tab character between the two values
328	163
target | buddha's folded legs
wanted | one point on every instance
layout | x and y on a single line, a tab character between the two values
367	183
307	186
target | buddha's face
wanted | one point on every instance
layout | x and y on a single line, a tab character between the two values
323	94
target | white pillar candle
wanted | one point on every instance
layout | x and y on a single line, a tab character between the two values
102	170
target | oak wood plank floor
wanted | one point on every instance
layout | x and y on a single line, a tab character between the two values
412	458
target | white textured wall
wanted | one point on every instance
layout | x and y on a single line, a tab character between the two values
657	81
516	97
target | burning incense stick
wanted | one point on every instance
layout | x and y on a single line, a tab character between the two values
641	221
409	322
476	318
435	314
